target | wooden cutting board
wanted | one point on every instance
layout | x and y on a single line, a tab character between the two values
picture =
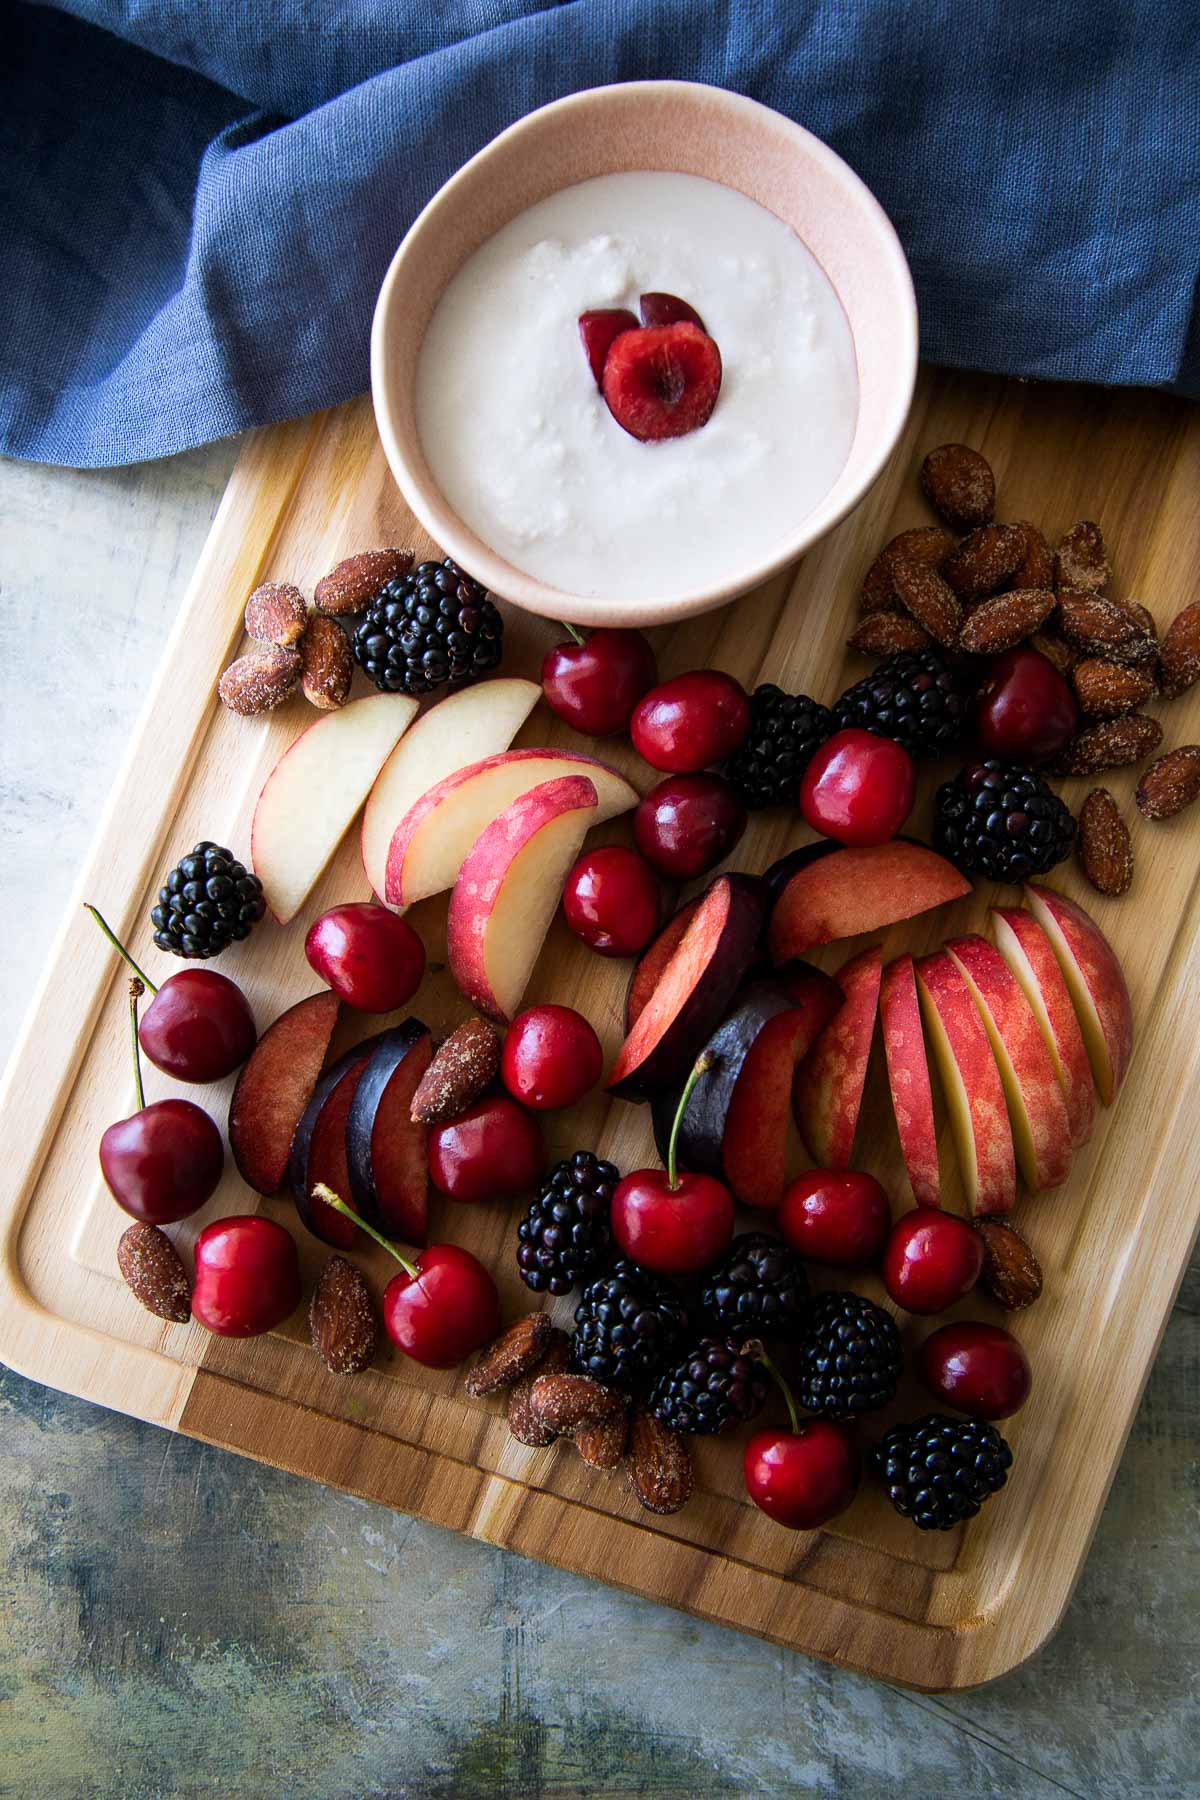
934	1611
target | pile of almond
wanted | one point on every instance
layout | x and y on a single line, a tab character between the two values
1001	585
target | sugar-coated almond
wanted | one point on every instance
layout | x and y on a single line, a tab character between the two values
958	483
1109	744
514	1353
985	560
660	1466
997	624
1104	844
523	1422
928	544
1056	650
602	1444
562	1402
1080	561
1036	567
1011	1273
1101	627
353	584
926	598
1170	784
884	633
1180	653
341	1319
462	1068
1106	689
276	613
260	681
154	1273
328	665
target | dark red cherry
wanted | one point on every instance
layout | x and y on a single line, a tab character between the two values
611	900
370	957
840	1217
691	722
668	309
490	1152
551	1057
597	331
805	1477
247	1276
977	1369
595	684
163	1162
858	788
688	824
1024	709
672	1222
932	1259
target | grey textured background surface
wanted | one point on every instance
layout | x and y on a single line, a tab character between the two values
176	1621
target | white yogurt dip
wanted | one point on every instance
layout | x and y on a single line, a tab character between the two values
526	451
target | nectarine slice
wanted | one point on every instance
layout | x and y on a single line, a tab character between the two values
654	960
1029	954
852	891
274	1088
971	1083
756	1130
908	1078
1096	982
828	1090
385	1150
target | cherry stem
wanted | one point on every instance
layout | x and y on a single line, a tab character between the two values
136	990
321	1192
758	1352
117	945
701	1066
577	635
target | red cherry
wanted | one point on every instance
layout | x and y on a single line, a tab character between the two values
858	788
662	381
551	1057
1024	709
977	1369
247	1276
611	901
932	1259
688	823
598	330
691	721
674	1224
490	1152
595	684
370	957
668	309
804	1477
838	1217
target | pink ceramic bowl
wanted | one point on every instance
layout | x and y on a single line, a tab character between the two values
693	129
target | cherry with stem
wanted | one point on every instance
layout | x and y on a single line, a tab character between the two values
673	1223
805	1475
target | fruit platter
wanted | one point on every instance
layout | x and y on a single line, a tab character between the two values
708	1108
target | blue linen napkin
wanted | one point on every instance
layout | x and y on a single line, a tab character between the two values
198	203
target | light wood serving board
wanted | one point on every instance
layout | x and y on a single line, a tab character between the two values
934	1611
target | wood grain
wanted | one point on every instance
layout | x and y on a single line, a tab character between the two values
870	1592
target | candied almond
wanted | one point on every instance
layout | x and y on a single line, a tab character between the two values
660	1466
1180	653
884	633
958	483
1011	1273
984	560
1170	784
154	1273
1036	567
1062	655
997	624
1079	561
461	1069
328	664
1105	848
260	681
523	1422
276	613
1104	628
354	583
341	1319
563	1402
602	1445
926	597
928	544
1105	689
1109	744
514	1353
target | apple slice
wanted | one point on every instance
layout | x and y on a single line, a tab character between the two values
312	794
385	1150
908	1078
852	891
1096	983
318	1150
654	960
1037	1111
971	1083
756	1131
693	990
1029	954
509	888
430	844
463	728
828	1090
274	1087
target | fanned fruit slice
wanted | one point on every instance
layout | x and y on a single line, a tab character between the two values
908	1078
274	1088
1096	982
760	1113
829	1084
853	891
702	1127
1037	1111
318	1152
972	1086
385	1150
654	959
1029	954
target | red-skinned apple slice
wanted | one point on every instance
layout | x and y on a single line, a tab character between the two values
1096	982
756	1130
1037	1111
971	1083
462	729
1029	954
385	1150
508	890
431	842
318	1152
310	797
654	959
853	891
908	1078
828	1091
275	1086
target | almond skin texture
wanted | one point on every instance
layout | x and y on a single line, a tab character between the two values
1110	744
1105	849
563	1402
927	598
958	483
276	613
260	681
884	633
341	1319
523	1423
1170	784
660	1468
1102	628
1056	650
1105	689
1180	654
513	1354
1080	561
602	1445
328	665
1036	567
1011	1273
984	560
353	584
154	1273
927	544
467	1063
1005	620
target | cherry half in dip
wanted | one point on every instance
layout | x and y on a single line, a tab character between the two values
198	1026
674	1224
490	1152
977	1369
932	1259
370	957
165	1160
669	309
840	1217
440	1307
611	901
598	331
551	1058
594	683
688	824
247	1276
663	381
691	722
804	1476
858	788
1024	709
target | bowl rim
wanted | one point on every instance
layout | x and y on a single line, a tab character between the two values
529	592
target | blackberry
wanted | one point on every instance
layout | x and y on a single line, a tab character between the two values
785	731
565	1235
850	1357
1000	821
914	697
713	1389
938	1470
760	1288
431	629
627	1324
207	901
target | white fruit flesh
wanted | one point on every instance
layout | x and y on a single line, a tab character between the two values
1028	952
971	1085
1096	983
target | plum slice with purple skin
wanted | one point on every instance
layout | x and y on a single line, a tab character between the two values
668	309
598	330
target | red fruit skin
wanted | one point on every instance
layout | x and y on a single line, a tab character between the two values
611	901
662	382
595	686
1024	708
802	1478
598	330
858	788
645	977
490	1152
668	309
247	1276
450	1309
674	1231
977	1369
551	1058
164	1162
370	957
839	1217
198	1027
691	721
688	824
932	1259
